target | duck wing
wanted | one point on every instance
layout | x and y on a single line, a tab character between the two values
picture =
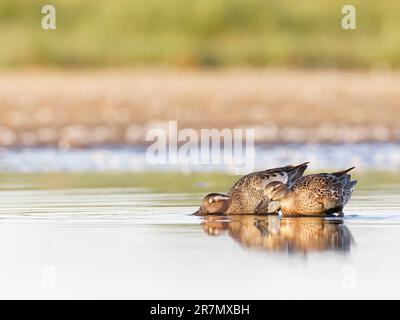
337	191
292	173
348	191
325	190
248	192
260	179
343	185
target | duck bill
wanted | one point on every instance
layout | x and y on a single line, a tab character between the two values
199	212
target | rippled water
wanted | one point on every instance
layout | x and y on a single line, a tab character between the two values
135	243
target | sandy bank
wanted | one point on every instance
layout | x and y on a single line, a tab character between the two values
97	107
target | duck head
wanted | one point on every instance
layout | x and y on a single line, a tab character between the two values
276	190
214	203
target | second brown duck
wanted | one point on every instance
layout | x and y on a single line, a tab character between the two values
314	194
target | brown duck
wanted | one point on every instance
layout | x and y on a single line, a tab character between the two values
273	233
247	196
314	194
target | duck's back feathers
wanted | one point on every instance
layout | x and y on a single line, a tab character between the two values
324	192
261	179
248	192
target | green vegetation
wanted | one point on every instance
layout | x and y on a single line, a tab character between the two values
201	182
200	33
154	181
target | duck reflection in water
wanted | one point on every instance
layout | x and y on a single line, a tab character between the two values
273	233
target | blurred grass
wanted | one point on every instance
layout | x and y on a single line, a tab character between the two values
200	33
202	182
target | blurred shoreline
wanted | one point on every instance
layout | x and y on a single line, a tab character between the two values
111	107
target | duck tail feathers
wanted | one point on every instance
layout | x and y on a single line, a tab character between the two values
297	172
341	173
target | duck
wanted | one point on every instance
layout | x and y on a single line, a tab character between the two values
282	234
314	194
247	195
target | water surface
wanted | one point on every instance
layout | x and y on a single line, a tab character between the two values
365	156
137	241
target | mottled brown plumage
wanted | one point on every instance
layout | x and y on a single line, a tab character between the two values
247	196
322	193
289	235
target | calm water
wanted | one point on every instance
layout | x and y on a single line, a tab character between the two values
133	243
125	230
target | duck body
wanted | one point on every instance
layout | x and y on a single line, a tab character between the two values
247	195
249	192
316	194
